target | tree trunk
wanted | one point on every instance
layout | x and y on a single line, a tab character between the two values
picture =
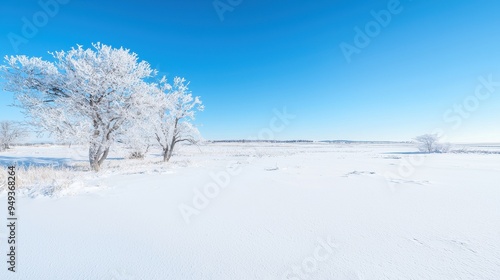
97	156
170	154
166	154
170	151
94	164
104	156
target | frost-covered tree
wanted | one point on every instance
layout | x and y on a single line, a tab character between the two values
9	133
83	96
173	124
429	143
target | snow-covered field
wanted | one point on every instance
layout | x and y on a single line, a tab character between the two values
257	211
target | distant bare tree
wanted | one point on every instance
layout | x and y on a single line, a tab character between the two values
9	133
429	143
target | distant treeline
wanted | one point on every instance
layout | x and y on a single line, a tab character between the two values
362	142
260	141
305	141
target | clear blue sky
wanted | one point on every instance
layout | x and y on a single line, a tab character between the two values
285	53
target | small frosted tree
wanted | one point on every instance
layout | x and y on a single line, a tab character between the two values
429	143
9	133
173	123
84	96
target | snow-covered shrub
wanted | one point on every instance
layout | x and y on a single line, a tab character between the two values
442	148
136	155
480	152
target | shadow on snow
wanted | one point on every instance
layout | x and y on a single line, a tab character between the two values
6	161
406	153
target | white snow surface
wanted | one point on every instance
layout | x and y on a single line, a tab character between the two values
288	211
